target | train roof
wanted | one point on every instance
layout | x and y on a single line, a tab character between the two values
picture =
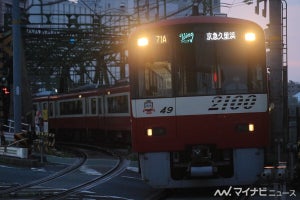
84	92
197	19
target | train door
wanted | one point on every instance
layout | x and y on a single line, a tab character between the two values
153	103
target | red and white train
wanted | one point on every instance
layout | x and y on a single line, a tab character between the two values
199	101
197	105
98	115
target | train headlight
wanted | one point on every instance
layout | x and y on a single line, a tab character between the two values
149	132
156	131
250	37
250	127
142	42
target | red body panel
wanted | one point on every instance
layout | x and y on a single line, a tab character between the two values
219	130
101	123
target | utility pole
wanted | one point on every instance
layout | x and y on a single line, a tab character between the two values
278	115
16	21
278	78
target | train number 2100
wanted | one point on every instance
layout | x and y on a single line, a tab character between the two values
233	102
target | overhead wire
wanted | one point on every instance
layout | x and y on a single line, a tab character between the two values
235	4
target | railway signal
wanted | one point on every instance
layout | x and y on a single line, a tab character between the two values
5	76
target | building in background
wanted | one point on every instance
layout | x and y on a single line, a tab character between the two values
6	9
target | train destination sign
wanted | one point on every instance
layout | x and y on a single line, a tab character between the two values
213	36
188	37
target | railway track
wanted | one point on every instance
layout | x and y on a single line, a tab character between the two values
32	188
118	169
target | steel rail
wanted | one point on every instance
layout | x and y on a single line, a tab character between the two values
80	161
119	167
115	171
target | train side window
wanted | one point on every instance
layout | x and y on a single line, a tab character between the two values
51	109
62	108
93	106
100	106
87	107
158	79
255	78
57	108
71	107
45	106
117	104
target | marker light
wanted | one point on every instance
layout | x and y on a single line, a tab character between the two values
250	37
142	42
149	132
5	90
251	127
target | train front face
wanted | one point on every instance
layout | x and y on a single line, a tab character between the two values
199	101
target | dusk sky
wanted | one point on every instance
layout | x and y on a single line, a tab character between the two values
240	10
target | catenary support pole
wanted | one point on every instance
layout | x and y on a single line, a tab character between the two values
278	135
16	21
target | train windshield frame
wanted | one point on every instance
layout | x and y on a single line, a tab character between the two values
198	59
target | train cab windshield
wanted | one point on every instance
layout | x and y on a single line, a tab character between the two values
199	60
